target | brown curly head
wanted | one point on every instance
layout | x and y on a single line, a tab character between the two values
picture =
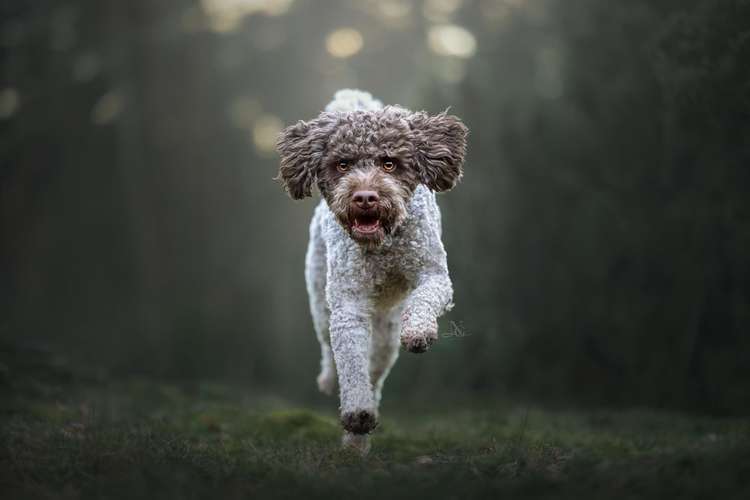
367	164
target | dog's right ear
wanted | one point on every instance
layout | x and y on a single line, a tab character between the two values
301	147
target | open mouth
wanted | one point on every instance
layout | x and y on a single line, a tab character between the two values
366	223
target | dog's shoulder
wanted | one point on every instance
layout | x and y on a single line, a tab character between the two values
422	228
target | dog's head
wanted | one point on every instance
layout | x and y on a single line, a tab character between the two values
367	164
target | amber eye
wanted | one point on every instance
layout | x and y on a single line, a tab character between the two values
342	166
389	165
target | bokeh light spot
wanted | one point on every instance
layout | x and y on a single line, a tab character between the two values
226	15
265	133
344	42
394	9
452	40
10	101
107	108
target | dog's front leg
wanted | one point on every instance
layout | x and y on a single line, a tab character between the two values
350	341
423	307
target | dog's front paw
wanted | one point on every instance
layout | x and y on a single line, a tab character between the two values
359	421
417	343
418	338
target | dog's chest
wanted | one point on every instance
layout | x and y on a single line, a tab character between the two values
390	291
392	274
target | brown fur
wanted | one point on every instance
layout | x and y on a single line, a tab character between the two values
426	149
391	209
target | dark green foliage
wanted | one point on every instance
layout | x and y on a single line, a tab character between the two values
621	230
598	243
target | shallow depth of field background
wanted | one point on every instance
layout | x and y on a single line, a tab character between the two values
599	244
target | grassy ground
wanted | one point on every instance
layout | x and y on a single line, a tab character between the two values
64	436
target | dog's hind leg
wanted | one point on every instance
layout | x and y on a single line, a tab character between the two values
315	277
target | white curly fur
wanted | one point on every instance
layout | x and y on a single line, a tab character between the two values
352	100
366	301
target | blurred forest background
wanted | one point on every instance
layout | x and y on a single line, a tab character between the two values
599	243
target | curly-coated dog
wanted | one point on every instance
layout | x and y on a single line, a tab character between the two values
376	268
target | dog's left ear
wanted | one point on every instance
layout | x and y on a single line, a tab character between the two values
301	147
440	148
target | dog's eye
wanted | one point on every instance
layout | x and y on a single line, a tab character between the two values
342	166
389	165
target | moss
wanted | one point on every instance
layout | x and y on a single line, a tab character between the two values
145	439
296	424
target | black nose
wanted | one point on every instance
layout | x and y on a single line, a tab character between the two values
363	199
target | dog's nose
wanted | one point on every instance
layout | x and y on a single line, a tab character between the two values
363	199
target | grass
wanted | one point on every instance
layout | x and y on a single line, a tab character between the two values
64	436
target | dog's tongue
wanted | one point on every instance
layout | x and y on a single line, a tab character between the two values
366	224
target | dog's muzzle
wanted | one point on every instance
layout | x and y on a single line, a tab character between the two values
364	213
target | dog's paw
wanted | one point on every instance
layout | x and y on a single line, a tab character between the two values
359	421
417	343
418	332
420	340
327	382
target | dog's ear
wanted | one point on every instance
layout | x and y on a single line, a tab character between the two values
440	148
301	147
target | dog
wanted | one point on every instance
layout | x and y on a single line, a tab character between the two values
376	270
